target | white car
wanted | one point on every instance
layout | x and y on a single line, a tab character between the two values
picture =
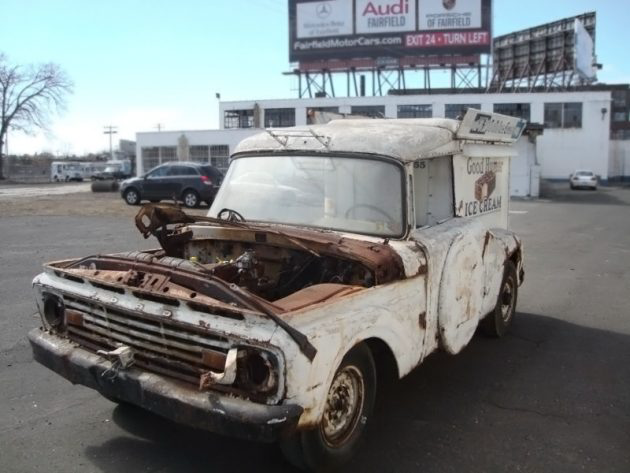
277	316
583	178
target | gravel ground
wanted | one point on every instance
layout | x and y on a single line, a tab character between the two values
65	200
552	396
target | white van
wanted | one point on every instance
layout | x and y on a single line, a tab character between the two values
64	171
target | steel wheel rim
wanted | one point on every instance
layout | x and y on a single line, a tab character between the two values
132	197
190	200
507	300
344	405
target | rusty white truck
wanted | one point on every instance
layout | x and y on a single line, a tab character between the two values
333	256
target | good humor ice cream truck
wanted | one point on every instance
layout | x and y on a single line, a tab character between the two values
333	257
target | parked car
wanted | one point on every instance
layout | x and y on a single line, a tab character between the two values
277	317
583	178
188	182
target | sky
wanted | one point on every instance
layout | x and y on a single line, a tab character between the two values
137	64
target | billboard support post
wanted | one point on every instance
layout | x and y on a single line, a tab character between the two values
318	82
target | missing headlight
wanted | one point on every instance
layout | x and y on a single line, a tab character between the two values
53	311
256	371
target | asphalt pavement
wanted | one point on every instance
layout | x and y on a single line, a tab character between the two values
553	396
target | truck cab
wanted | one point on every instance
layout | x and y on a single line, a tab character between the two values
332	257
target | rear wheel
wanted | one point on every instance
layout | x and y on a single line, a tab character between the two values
132	196
497	323
191	198
349	405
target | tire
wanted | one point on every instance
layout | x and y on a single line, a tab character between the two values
191	198
497	322
338	435
115	400
132	196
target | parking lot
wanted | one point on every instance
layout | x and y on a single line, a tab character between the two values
554	395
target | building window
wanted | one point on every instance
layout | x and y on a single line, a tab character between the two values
199	154
220	156
572	115
620	134
415	111
238	119
372	111
563	115
150	157
279	117
553	115
458	110
519	110
311	117
168	153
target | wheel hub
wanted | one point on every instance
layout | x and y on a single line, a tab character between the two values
343	406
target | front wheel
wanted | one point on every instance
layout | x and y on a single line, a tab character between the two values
349	405
497	323
132	197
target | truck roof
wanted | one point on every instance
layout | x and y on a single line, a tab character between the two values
405	139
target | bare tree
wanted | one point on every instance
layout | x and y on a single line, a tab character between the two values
28	96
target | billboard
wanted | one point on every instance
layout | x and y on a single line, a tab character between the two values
351	29
584	52
563	45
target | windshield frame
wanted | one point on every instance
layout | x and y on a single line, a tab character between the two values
334	154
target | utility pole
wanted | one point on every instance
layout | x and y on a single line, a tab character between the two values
110	130
158	127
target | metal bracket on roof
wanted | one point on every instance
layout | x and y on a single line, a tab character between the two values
284	136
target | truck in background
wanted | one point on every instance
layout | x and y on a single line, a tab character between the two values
114	169
64	171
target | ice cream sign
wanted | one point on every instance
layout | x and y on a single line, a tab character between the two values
479	184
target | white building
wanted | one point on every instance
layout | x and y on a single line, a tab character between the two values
577	128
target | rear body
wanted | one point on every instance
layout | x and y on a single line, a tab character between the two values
583	179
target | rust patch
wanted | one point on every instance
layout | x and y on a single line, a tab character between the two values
485	244
313	295
422	319
381	258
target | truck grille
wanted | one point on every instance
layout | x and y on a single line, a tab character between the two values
159	344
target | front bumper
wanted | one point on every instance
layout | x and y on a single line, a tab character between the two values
162	396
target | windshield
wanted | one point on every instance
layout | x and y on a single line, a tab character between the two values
584	173
357	195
